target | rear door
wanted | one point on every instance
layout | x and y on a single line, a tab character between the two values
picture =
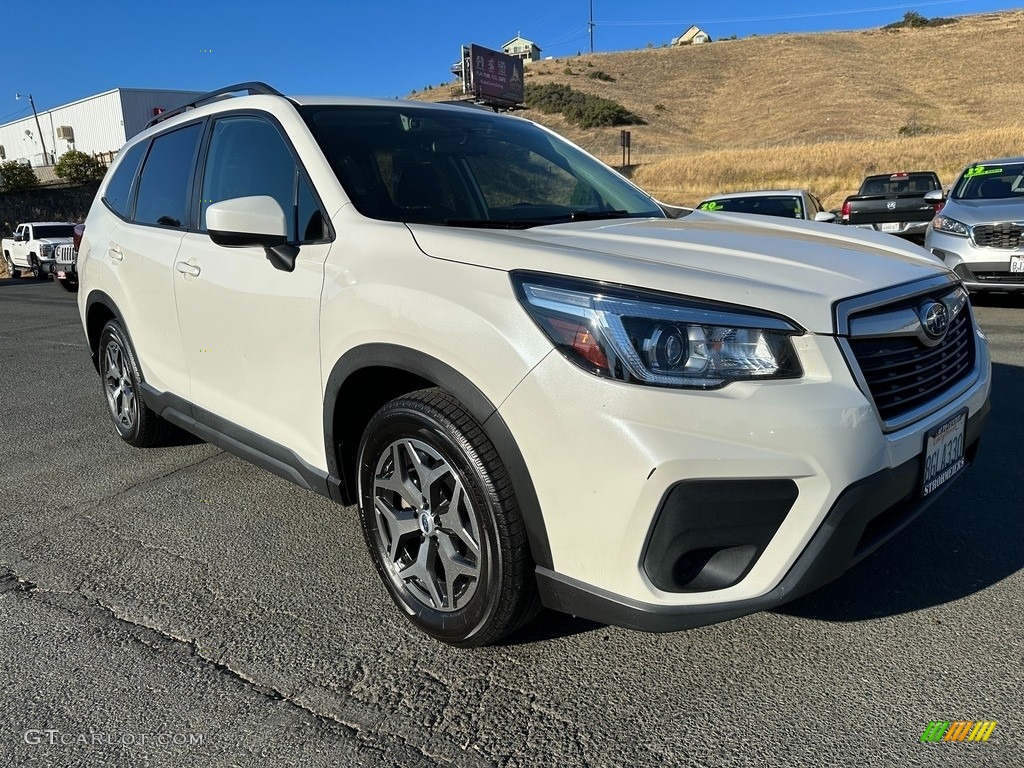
141	248
251	331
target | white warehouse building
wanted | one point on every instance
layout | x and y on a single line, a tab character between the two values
99	124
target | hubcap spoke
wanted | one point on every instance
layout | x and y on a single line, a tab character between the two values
453	521
400	523
455	565
424	571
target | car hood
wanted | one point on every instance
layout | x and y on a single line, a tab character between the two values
984	211
792	268
53	240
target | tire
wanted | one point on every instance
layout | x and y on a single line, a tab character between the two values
37	272
120	380
12	271
69	285
467	522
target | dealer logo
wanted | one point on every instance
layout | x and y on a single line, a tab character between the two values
934	319
891	205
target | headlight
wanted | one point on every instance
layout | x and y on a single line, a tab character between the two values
45	251
950	226
650	338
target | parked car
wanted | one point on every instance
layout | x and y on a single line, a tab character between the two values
31	249
979	233
787	203
537	385
65	257
894	203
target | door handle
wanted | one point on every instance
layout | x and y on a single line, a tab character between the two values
187	269
115	254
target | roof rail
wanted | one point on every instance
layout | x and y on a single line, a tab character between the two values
250	88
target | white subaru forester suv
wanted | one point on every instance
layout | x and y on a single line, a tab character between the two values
540	386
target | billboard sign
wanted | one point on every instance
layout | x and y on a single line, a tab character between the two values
494	77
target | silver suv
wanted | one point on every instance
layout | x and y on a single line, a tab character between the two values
539	385
979	233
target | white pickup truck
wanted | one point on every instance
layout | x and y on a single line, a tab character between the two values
33	245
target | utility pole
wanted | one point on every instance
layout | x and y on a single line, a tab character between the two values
46	157
590	26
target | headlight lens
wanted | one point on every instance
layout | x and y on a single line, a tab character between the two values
950	226
45	250
648	338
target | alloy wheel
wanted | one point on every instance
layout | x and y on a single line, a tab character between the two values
119	386
428	528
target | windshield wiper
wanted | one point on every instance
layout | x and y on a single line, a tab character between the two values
539	221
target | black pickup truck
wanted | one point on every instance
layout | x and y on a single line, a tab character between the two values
894	203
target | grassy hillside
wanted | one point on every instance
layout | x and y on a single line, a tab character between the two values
815	110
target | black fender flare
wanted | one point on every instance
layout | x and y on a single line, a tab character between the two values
104	300
479	406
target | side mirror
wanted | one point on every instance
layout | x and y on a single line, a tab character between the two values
253	221
824	216
934	196
19	237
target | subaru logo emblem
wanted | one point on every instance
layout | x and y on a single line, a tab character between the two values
891	205
934	319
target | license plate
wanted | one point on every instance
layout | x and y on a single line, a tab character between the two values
944	453
60	274
891	226
1017	264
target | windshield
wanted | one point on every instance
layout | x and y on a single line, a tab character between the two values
54	230
466	167
991	182
787	206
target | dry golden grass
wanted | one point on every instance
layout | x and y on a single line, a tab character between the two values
831	169
813	110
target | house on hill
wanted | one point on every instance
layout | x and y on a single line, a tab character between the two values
692	36
521	48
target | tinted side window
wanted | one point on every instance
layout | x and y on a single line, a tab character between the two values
249	157
118	193
163	186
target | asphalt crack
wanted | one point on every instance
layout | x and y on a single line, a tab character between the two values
161	641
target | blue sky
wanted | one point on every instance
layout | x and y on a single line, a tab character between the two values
62	51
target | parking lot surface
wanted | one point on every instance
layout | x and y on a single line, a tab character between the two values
180	607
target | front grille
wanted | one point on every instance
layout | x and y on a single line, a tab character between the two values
903	374
65	254
1005	235
1000	278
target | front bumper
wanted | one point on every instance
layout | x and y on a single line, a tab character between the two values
866	515
605	456
980	269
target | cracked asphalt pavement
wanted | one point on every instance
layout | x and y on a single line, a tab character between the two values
179	607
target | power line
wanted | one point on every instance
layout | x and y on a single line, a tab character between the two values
902	6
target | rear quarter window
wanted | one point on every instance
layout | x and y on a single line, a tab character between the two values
118	193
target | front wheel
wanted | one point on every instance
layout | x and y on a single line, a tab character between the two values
442	523
37	271
68	284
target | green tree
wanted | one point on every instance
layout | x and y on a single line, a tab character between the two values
77	167
15	177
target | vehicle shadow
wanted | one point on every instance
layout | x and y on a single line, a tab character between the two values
550	625
970	539
23	282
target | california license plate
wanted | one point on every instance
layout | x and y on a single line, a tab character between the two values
944	453
891	226
1017	264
